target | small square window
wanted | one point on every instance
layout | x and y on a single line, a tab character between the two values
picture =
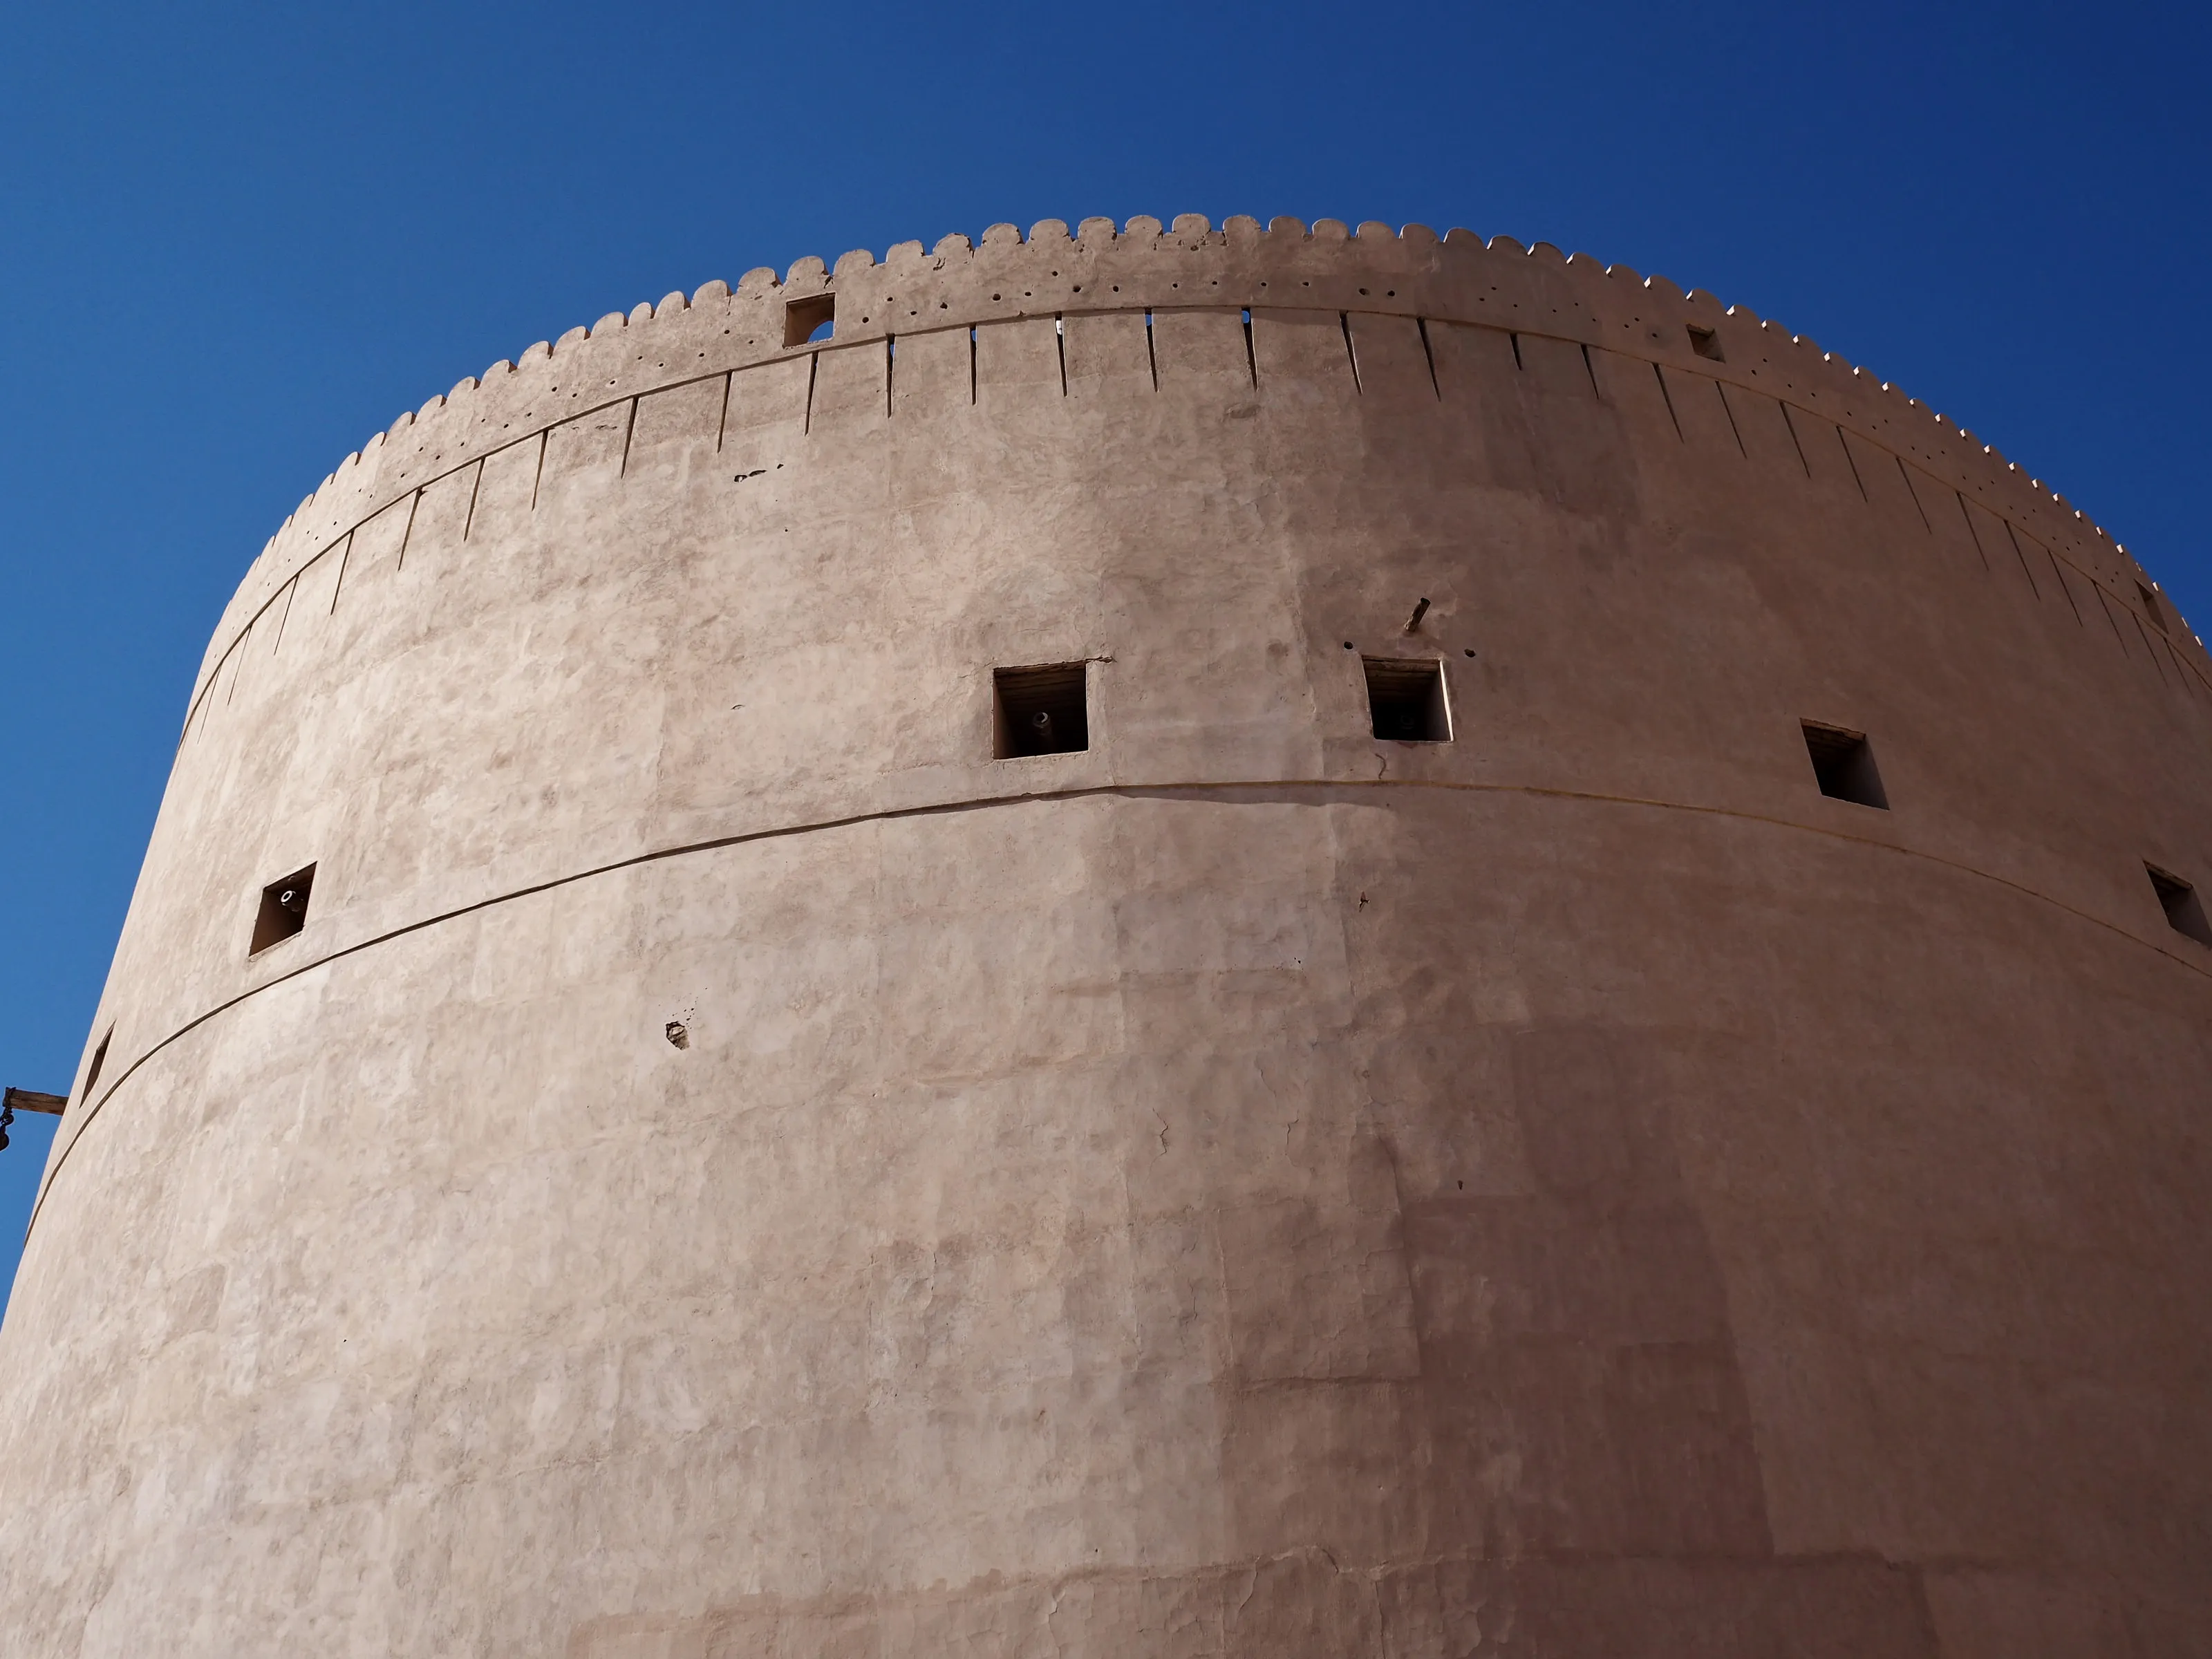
283	909
1040	711
804	320
1843	760
1704	342
1405	699
2185	911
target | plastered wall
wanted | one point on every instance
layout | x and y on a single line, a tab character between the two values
1244	1188
622	359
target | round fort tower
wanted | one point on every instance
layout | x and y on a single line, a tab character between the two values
1583	1031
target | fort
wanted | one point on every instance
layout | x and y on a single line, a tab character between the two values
1151	943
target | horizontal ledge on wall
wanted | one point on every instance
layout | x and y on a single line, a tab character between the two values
1238	789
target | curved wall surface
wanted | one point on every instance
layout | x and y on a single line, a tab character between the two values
729	1167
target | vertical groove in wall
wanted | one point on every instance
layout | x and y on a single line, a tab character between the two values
1790	426
1517	363
345	552
1657	374
1971	531
476	484
2179	667
197	711
1589	369
291	590
721	427
2111	618
538	476
971	358
413	501
630	428
891	371
2064	586
1151	355
1251	359
2149	650
1060	345
237	658
1429	355
1851	462
2022	557
1905	473
207	695
1735	431
1351	356
813	369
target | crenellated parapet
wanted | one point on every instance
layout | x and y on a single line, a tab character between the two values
1097	267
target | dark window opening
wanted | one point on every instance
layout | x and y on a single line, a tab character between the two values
1704	342
1843	762
806	320
1406	700
99	1060
2185	911
1040	711
2149	597
283	909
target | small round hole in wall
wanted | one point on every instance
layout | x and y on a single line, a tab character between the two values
1349	646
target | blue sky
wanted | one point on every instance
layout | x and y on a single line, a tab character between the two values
236	241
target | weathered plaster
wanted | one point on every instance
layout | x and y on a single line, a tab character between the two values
1244	1188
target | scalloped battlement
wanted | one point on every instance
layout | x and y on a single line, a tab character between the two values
1456	277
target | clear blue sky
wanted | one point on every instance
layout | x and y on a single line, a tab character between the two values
236	241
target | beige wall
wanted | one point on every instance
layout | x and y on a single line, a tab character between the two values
1245	1189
